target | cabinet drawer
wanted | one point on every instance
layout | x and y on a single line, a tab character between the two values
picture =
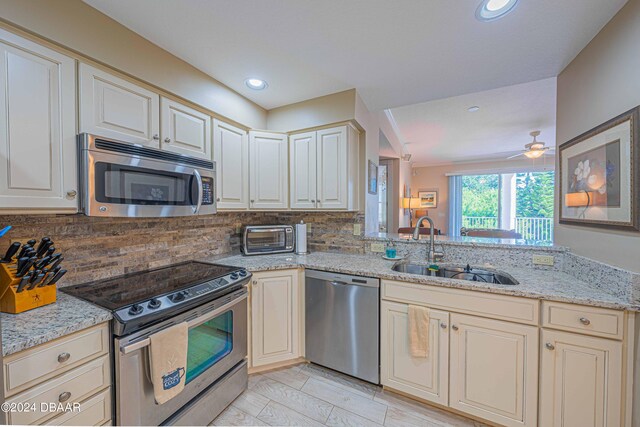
79	383
595	321
514	309
94	411
29	367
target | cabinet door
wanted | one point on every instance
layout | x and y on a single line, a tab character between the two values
302	160
37	126
184	130
426	378
231	154
275	317
332	151
269	170
116	108
581	381
494	370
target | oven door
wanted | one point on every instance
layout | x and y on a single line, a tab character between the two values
128	185
217	343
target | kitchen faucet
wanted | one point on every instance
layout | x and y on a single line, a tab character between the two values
432	255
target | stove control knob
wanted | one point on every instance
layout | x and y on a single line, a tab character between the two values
234	276
135	309
242	273
154	303
177	297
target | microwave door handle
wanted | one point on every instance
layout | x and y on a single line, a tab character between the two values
196	208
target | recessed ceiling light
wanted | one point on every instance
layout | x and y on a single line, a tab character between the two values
490	10
473	109
256	84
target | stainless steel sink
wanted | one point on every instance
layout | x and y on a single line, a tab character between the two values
458	272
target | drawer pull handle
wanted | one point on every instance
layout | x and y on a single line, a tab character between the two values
454	327
63	397
550	346
63	357
443	325
585	321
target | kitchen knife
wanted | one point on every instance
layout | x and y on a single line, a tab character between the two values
57	277
10	252
32	242
44	273
21	262
42	244
35	279
44	261
23	282
57	262
24	250
43	249
49	276
50	251
26	267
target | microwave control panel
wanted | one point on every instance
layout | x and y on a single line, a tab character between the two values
207	191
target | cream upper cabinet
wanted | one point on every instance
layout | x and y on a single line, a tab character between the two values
494	370
231	154
581	381
324	167
275	317
116	108
268	170
425	378
37	127
302	167
184	130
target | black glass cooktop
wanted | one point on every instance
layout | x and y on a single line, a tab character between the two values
121	291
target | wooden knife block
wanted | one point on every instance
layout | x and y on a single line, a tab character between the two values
14	302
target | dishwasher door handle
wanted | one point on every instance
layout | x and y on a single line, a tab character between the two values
338	282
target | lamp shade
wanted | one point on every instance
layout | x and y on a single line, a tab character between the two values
411	203
577	199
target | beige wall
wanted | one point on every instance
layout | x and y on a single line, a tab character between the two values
601	83
434	178
334	108
81	28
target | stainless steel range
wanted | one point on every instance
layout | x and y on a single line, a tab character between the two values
212	299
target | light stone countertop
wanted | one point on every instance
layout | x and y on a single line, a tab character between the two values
541	284
40	325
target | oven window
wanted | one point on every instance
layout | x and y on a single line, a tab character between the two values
265	240
209	343
133	185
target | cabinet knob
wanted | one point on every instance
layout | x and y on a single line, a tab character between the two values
454	327
64	396
63	357
550	346
72	194
443	325
167	140
217	199
585	321
156	137
313	201
252	201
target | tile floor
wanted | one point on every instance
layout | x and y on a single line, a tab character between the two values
309	395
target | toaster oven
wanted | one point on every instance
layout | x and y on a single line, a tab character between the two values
267	239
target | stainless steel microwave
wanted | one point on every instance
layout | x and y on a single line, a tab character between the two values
267	239
130	180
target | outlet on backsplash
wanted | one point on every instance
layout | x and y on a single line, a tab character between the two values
543	260
356	229
377	247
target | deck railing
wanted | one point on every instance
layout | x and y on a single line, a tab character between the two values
531	228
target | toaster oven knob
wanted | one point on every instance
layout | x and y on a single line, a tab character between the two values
154	303
177	297
242	273
234	276
135	309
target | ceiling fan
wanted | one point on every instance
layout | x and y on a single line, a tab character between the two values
534	149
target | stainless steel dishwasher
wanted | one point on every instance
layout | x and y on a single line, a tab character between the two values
342	323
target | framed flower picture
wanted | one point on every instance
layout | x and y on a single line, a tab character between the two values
599	176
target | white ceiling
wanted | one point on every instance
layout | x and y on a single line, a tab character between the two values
444	131
394	53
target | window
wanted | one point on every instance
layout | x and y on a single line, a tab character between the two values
383	200
523	202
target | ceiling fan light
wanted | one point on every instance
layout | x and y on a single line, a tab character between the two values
534	154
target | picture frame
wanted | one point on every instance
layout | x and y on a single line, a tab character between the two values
599	175
428	199
372	181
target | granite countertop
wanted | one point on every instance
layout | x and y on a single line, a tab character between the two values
540	284
38	326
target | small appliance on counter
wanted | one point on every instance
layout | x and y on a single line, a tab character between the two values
267	239
28	275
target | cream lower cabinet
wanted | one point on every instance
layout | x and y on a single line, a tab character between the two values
37	127
425	378
494	370
275	317
580	381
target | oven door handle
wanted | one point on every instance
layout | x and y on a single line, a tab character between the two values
137	345
196	208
